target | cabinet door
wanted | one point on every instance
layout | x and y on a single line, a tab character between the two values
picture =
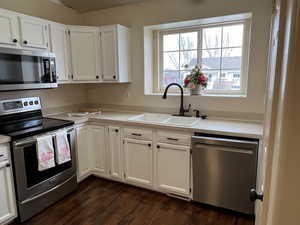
58	37
34	33
84	53
83	148
109	54
173	169
97	135
9	36
138	157
115	153
7	199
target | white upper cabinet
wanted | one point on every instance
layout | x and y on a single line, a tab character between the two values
9	34
85	53
173	169
138	159
115	53
114	150
34	33
59	46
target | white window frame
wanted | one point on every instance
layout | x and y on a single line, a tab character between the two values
158	55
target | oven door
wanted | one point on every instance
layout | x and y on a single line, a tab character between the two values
20	69
29	180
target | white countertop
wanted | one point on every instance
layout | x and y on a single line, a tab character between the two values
4	139
211	126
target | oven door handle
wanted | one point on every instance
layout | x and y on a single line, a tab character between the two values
33	140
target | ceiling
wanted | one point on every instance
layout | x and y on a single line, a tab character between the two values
91	5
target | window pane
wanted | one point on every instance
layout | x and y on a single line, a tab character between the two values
211	59
231	58
171	42
211	37
233	35
213	78
188	41
170	77
230	80
171	61
188	59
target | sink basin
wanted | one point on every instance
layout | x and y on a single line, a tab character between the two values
181	121
165	119
150	118
79	114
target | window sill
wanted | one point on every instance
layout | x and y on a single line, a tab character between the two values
202	95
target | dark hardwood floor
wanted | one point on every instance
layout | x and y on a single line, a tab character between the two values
102	202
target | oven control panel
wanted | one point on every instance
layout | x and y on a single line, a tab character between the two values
20	105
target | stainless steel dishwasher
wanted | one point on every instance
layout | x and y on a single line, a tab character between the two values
224	171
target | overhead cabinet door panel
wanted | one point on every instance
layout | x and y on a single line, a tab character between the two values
109	53
8	30
84	53
59	47
34	33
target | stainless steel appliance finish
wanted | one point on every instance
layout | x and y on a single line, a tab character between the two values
224	171
22	120
25	69
37	190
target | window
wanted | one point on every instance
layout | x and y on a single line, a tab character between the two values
220	48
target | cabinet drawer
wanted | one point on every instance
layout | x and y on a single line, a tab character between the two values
139	134
173	138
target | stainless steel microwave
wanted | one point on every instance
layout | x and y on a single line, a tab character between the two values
25	69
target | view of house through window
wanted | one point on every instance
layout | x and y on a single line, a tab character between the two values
217	48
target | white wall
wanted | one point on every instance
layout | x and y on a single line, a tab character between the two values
164	11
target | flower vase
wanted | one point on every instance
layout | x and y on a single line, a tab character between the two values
198	90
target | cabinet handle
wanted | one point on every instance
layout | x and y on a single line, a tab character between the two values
149	145
7	165
114	77
97	77
25	42
135	134
173	139
158	146
116	130
15	40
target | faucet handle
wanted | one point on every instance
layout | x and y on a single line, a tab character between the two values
188	109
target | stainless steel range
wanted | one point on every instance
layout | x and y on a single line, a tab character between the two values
22	120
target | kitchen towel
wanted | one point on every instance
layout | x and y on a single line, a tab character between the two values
62	148
45	152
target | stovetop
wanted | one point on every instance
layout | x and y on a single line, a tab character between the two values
18	127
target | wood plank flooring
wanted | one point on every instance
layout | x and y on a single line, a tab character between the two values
102	202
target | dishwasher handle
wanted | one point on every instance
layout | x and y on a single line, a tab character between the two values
226	142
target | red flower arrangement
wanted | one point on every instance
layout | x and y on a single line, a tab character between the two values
196	78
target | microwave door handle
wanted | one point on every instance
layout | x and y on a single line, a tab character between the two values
50	71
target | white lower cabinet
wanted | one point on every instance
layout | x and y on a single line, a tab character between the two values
7	195
138	162
84	152
98	145
133	156
114	151
173	169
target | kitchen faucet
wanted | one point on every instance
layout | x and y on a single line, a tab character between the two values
182	110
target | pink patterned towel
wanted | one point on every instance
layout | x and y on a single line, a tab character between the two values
45	152
62	148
